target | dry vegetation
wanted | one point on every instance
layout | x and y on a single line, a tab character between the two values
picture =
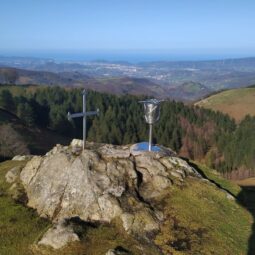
235	102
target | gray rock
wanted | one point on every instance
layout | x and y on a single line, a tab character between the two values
76	143
76	150
100	184
13	174
111	151
117	252
22	157
59	236
111	252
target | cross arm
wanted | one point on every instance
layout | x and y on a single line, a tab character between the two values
81	114
74	115
92	113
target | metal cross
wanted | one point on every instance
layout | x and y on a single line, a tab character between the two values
83	114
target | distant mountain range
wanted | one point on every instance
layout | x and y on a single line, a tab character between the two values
180	80
115	85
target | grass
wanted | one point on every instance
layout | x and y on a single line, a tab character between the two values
199	220
202	221
19	226
235	102
216	178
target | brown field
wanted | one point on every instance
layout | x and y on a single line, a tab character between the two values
235	102
249	182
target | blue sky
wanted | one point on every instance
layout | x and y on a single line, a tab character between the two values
159	25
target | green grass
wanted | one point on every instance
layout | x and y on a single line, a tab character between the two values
19	226
199	220
215	177
235	102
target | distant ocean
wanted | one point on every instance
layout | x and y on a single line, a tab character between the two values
130	56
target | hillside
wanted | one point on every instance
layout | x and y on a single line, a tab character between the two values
17	138
235	102
185	215
193	132
189	91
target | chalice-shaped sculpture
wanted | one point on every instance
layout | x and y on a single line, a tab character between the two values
151	114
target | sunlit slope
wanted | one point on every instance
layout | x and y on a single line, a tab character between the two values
235	102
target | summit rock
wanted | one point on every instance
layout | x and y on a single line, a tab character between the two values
102	183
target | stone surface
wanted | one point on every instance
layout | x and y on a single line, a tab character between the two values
13	174
76	142
117	252
101	183
22	157
59	236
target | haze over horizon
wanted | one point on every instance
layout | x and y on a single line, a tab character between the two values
129	31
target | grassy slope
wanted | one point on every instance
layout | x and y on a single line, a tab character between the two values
201	220
235	102
19	226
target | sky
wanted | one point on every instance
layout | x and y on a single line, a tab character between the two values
184	26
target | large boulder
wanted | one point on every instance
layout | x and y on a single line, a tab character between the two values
100	184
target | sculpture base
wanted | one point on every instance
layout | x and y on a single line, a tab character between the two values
156	150
144	146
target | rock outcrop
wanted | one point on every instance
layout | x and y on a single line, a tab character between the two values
99	184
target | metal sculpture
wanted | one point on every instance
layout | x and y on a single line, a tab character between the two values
83	114
151	114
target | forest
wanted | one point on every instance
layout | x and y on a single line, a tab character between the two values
193	132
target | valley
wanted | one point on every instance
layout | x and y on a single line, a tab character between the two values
162	79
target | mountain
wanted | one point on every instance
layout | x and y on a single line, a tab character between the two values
212	75
113	200
187	91
237	103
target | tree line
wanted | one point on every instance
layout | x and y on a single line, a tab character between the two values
196	133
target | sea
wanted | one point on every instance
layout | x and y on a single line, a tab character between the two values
131	56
